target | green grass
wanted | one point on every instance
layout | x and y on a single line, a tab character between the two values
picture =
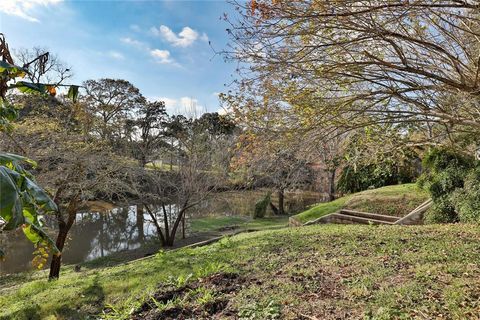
322	271
208	224
397	200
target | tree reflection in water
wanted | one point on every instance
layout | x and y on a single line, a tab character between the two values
93	235
96	234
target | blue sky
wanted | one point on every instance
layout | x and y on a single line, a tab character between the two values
160	46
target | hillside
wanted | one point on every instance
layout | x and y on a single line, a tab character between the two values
397	200
322	271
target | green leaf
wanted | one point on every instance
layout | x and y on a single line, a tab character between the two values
27	87
9	158
37	235
10	198
73	93
32	234
12	71
39	196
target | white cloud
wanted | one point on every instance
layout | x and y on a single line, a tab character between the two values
183	39
25	8
134	43
187	106
161	56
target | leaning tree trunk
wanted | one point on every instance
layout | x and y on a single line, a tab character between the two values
274	209
162	238
331	182
63	229
171	236
281	202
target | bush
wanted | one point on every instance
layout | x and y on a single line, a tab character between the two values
442	211
374	176
261	206
467	200
451	179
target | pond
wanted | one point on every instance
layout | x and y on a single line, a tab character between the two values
100	233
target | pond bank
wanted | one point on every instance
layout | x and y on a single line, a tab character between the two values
102	229
203	229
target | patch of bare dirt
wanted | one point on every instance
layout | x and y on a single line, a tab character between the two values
223	286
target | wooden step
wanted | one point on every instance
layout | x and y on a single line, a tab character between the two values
369	215
344	218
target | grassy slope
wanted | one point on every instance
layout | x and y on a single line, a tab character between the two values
395	200
326	271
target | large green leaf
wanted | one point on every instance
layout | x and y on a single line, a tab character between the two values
20	201
27	87
37	235
39	196
10	198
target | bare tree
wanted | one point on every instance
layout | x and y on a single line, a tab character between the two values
357	63
43	66
273	160
169	195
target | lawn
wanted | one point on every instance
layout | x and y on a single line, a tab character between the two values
322	271
397	200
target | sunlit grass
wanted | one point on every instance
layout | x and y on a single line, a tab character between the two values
371	272
395	200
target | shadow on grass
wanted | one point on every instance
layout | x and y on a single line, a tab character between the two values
91	304
30	312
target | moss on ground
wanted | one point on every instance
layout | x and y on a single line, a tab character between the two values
395	200
322	271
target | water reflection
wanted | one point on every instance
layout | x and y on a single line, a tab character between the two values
99	234
94	235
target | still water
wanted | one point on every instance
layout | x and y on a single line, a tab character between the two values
99	233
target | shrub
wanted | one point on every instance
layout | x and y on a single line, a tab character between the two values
445	174
261	206
374	176
467	200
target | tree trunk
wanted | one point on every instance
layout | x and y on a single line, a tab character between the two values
157	225
139	223
274	209
171	237
281	201
63	229
331	182
57	259
183	227
165	223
